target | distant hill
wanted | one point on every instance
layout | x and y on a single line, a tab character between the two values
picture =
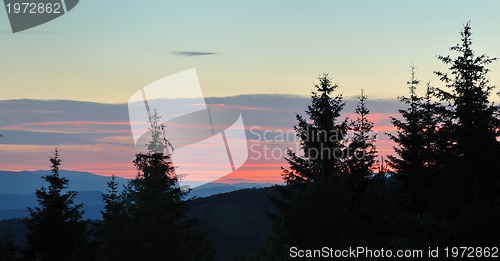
15	205
26	182
17	190
214	188
235	221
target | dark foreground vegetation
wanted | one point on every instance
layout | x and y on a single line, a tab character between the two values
235	222
440	189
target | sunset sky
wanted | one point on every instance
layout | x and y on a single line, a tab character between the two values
97	137
104	51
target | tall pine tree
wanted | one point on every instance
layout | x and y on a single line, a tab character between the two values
8	249
322	137
55	228
432	121
409	138
317	190
475	127
419	143
149	213
111	232
361	150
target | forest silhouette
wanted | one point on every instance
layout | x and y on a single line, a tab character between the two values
440	188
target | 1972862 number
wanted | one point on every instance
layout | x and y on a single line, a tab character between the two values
34	8
471	252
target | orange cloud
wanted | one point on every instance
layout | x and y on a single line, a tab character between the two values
113	154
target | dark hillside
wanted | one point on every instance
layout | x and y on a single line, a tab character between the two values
235	221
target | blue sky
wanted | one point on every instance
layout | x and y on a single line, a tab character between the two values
106	50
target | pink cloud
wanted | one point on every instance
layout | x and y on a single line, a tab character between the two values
113	154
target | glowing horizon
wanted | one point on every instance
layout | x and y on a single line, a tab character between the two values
106	147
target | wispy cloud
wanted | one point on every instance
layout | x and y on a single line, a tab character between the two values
72	127
192	53
97	137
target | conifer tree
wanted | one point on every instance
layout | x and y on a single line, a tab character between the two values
55	228
432	122
317	189
475	127
361	150
8	250
111	199
409	139
322	137
420	143
149	213
111	232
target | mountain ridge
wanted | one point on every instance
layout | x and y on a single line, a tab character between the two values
15	199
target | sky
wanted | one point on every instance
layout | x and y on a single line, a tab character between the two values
104	51
259	58
97	138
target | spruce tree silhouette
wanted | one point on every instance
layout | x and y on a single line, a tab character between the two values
432	122
111	232
468	185
8	250
321	137
409	139
150	213
317	191
473	132
418	142
55	228
361	150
